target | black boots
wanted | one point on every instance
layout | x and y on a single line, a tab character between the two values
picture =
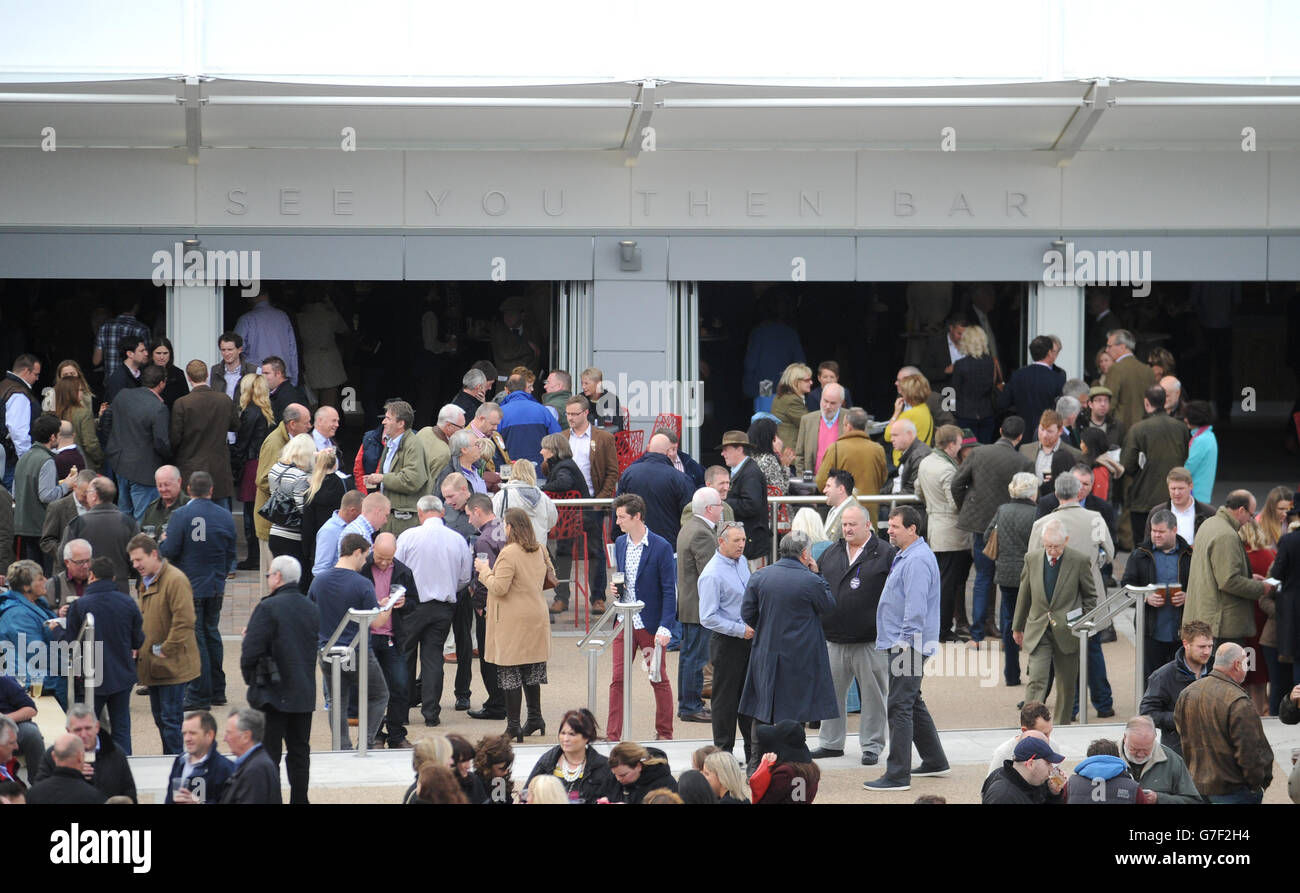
535	722
514	701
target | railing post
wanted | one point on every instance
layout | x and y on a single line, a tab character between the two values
88	663
336	711
628	631
774	508
1139	642
593	664
1083	634
363	686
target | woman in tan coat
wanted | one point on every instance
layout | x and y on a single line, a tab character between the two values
518	634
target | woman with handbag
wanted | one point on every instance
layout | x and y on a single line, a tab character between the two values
521	492
324	496
1007	537
290	478
255	418
518	632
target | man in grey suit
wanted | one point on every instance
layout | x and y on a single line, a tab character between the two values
1056	587
140	441
696	545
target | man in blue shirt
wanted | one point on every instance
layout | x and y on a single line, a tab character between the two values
721	587
335	591
200	540
327	538
907	626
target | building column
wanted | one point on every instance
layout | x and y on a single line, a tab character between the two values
194	322
1059	310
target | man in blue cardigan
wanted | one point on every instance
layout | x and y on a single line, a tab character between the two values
646	561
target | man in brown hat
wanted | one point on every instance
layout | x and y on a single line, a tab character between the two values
748	494
1099	416
513	343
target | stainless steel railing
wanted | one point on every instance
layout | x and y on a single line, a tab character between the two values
595	643
1095	621
357	653
82	645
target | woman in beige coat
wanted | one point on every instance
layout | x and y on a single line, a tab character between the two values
518	634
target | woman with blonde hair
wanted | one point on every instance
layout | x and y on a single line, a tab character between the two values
255	418
725	777
435	750
324	496
973	379
546	789
521	492
806	520
913	391
789	406
289	479
1272	517
518	629
72	369
70	406
1260	552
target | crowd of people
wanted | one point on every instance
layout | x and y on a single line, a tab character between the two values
445	533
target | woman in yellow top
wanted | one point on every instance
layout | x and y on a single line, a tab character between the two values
790	406
518	632
915	390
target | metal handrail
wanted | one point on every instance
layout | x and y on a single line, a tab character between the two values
88	668
775	502
1096	620
336	655
595	647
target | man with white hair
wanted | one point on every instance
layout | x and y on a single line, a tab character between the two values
1173	389
464	459
911	451
474	387
696	545
1154	766
1068	408
278	661
819	429
108	770
71	581
1230	759
1056	586
436	438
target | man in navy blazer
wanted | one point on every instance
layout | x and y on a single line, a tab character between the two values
200	541
646	561
1034	388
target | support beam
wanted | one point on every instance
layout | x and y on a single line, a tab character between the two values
642	111
1095	102
193	121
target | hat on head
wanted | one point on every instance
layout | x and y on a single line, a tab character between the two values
513	303
1036	747
786	740
735	438
968	438
1100	391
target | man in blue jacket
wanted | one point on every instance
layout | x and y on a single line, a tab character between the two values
646	561
524	421
200	540
1035	387
203	770
664	489
119	631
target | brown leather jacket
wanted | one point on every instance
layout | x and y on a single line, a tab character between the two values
1222	738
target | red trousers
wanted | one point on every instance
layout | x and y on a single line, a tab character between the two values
642	639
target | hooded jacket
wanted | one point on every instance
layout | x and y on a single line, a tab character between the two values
653	776
524	422
1102	779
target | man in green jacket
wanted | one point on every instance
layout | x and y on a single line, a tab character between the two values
1155	767
1162	440
1220	586
403	472
559	388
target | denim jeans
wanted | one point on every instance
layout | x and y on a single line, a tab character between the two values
168	705
211	682
119	716
1011	668
985	568
1250	798
393	663
694	655
133	499
853	703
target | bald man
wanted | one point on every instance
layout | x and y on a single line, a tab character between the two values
66	785
1223	740
386	572
666	490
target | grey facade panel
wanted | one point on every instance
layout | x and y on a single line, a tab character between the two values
631	316
319	257
653	252
511	258
950	258
1284	258
80	255
761	258
1192	258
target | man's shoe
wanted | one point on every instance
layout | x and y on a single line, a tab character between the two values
188	707
815	725
707	693
884	784
1105	714
1107	635
248	564
400	744
559	607
703	716
142	690
598	606
961	633
486	714
825	753
433	722
218	702
870	759
991	631
923	772
462	703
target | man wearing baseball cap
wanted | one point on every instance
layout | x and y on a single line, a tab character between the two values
1030	777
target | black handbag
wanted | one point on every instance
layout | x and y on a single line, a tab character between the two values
282	510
